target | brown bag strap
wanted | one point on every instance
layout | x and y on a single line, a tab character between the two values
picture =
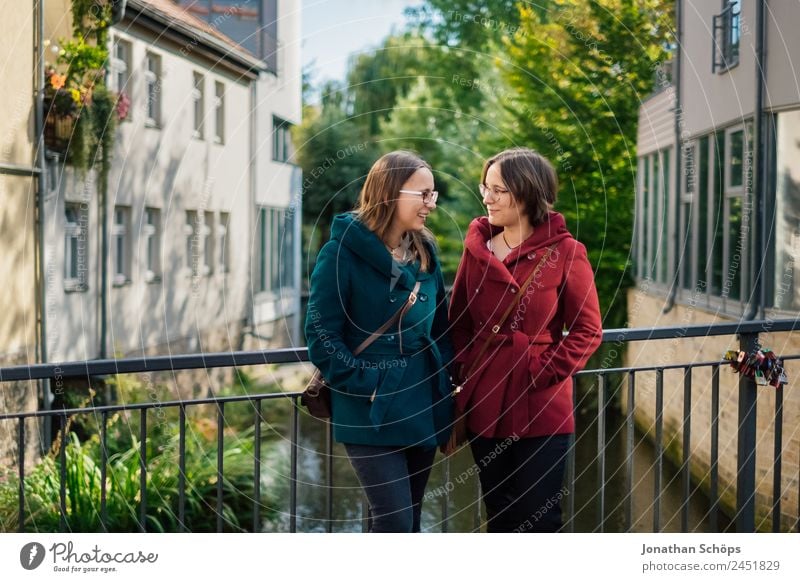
412	299
511	307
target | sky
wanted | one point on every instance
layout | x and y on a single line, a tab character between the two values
335	29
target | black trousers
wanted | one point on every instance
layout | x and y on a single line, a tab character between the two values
394	480
522	481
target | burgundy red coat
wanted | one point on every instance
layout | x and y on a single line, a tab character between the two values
522	384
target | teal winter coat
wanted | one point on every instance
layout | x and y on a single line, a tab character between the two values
356	286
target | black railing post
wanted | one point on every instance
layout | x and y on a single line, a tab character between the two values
329	477
629	446
220	463
746	449
776	464
293	469
257	469
21	471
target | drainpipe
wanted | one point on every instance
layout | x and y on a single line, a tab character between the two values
249	326
117	14
758	296
676	81
41	185
747	418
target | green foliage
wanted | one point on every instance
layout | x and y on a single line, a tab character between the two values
83	59
83	473
83	486
468	79
335	154
575	78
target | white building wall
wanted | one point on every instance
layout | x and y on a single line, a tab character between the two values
277	184
165	168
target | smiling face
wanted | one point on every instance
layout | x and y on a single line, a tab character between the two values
501	206
411	212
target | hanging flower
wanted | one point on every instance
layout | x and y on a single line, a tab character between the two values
123	106
57	81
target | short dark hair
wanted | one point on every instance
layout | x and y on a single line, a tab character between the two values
531	179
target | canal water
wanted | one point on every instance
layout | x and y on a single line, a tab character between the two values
452	498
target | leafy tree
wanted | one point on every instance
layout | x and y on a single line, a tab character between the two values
335	154
575	78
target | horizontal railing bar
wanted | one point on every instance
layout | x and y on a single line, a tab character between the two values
702	330
85	368
110	367
149	405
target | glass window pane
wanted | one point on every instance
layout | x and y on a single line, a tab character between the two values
736	163
787	212
701	193
737	248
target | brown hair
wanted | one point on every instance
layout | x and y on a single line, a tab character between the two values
378	200
530	178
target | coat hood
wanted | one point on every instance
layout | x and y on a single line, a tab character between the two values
365	244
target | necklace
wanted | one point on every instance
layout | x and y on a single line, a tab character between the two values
404	245
503	234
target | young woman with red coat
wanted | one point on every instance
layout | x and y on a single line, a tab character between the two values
515	405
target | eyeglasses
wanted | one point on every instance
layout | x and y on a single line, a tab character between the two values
495	192
428	196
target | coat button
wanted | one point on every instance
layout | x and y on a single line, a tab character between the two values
391	338
423	297
513	290
531	255
392	299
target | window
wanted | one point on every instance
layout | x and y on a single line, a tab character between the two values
686	217
190	230
76	246
198	99
652	248
207	231
219	112
276	249
224	244
726	37
786	283
153	83
269	35
120	68
120	245
713	219
151	231
281	140
736	213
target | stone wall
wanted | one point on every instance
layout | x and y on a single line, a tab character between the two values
646	311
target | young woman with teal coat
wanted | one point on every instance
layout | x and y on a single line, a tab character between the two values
391	404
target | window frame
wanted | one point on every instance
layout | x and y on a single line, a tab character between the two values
726	37
121	241
207	232
198	105
151	234
153	85
223	243
282	147
121	69
190	231
77	232
219	113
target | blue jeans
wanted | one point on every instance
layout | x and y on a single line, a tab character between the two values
394	480
522	481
